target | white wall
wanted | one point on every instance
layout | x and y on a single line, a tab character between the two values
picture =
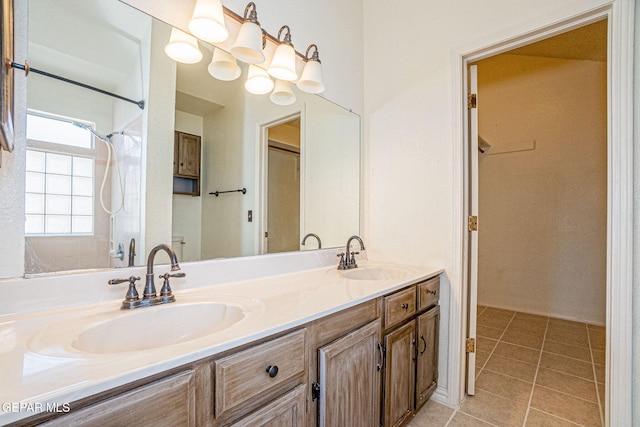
543	212
636	219
187	210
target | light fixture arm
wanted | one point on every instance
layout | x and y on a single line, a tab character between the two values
250	13
315	56
287	36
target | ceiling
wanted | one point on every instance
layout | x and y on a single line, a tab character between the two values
585	43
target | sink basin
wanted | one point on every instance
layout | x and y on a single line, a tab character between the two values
105	330
375	273
147	328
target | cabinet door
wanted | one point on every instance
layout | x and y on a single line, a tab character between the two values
188	155
350	379
427	343
287	411
399	378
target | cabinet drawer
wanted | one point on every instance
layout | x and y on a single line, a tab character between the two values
428	293
244	376
399	306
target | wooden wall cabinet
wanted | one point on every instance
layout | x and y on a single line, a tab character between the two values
186	163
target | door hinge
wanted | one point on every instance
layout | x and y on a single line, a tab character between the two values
473	223
315	391
266	234
471	345
472	101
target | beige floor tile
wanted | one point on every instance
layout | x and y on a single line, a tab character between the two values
597	328
601	395
432	414
495	409
573	351
532	318
566	323
481	358
567	407
480	309
600	373
464	420
597	339
599	356
492	322
579	338
540	419
524	340
523	354
522	327
498	313
489	332
502	385
485	344
511	367
578	387
566	365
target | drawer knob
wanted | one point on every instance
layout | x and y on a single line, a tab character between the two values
433	292
272	370
405	306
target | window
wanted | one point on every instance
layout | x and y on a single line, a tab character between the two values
59	185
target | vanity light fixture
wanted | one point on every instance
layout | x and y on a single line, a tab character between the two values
282	93
311	78
183	47
224	66
283	64
250	41
207	22
258	81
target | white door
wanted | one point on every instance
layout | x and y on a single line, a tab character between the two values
473	234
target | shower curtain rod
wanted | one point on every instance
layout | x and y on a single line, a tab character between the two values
27	69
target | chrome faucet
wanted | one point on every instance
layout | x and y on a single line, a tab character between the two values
149	297
312	235
348	261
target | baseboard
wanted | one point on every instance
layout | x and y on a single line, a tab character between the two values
542	313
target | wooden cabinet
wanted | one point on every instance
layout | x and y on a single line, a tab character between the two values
287	411
186	164
427	350
411	319
349	371
259	374
399	377
166	402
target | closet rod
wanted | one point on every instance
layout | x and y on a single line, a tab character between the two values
27	69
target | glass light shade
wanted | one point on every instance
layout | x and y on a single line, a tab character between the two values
311	78
183	47
248	45
224	66
258	81
282	93
283	64
207	22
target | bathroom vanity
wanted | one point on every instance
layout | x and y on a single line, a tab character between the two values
313	347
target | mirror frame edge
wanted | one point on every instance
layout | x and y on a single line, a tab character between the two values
6	107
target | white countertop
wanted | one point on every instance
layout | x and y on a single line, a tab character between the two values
35	373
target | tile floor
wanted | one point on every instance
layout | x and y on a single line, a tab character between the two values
530	371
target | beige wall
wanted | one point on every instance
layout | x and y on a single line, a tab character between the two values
543	212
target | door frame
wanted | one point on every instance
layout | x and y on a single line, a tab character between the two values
262	177
620	14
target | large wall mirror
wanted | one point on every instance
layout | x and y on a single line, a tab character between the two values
95	164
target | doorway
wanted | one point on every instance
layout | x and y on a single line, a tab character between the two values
619	187
283	187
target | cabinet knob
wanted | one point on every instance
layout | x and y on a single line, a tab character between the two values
433	292
272	371
405	306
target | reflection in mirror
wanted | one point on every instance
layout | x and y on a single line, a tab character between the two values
86	203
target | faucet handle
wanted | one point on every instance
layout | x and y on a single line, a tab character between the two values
132	293
352	262
166	293
342	265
